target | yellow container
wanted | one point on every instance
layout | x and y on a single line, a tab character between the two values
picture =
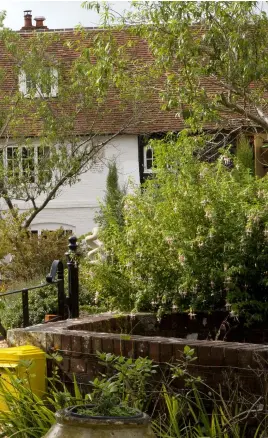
26	361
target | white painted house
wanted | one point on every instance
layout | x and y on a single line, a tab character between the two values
74	208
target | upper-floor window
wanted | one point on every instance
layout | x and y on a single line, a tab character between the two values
45	85
148	159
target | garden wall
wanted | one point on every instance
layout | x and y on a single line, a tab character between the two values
79	340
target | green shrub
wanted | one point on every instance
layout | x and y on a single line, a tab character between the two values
41	302
31	255
194	238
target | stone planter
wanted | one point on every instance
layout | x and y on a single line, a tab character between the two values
74	425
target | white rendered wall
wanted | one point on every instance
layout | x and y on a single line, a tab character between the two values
74	209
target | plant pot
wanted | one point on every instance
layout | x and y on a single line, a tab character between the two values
50	318
71	424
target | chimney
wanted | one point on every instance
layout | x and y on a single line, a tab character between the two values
40	23
27	20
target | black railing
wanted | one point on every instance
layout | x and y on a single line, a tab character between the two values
68	306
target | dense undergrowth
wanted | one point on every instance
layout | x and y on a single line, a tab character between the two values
194	238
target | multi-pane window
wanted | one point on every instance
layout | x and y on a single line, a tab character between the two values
29	162
45	85
44	233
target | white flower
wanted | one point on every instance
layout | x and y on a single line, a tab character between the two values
191	314
226	160
169	240
181	259
208	214
228	306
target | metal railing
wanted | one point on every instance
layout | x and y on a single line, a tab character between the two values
68	306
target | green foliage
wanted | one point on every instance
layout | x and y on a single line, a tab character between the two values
191	417
194	238
112	207
41	302
31	415
107	287
37	171
202	411
197	411
31	255
129	380
210	54
244	153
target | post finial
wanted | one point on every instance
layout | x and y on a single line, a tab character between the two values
72	243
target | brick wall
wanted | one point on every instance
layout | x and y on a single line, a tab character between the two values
78	346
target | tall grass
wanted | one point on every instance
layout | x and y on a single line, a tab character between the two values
197	415
28	415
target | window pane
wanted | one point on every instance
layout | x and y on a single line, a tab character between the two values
149	154
149	164
12	162
27	162
30	84
44	171
45	82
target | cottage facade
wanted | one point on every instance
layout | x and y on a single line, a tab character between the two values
75	206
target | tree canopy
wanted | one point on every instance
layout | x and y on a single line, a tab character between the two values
57	92
211	57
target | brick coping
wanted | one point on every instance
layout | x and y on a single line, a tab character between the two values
63	336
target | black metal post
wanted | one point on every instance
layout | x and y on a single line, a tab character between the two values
61	292
25	307
73	282
57	271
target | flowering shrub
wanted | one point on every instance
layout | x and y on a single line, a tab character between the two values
194	238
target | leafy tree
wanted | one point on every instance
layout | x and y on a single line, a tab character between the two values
211	58
51	86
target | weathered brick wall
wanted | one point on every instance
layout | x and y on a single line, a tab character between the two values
79	347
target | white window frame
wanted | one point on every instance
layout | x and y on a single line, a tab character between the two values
20	160
54	86
38	233
145	159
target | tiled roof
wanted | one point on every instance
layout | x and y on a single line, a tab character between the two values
146	117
